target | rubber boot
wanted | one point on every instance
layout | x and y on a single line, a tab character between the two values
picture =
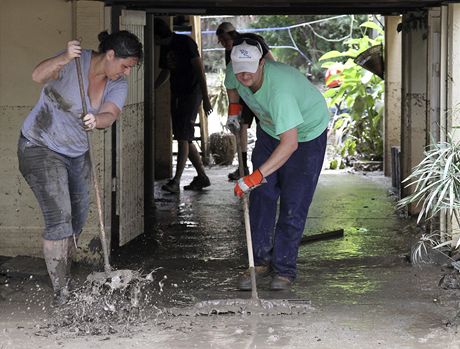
71	251
56	254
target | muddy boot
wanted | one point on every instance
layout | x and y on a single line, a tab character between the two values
262	271
56	258
71	251
280	283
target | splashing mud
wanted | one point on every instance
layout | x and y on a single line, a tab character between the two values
103	306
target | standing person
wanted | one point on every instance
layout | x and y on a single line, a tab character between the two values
226	34
53	149
181	62
287	158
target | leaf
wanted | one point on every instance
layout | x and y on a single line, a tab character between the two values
329	93
372	25
326	65
331	54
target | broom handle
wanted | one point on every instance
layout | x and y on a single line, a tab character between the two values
105	251
247	222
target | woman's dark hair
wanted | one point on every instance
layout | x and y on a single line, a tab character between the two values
233	34
124	43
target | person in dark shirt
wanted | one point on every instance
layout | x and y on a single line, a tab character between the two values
180	62
226	35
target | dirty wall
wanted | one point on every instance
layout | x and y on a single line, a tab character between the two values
31	31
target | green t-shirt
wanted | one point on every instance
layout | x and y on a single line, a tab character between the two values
286	100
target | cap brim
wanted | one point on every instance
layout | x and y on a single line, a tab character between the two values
245	67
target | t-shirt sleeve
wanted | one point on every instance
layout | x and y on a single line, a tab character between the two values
117	93
230	78
285	112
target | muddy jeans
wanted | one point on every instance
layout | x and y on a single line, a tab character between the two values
293	184
61	185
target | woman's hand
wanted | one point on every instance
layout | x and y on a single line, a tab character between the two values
89	122
73	50
49	68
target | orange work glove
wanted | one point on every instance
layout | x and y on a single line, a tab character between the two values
233	119
247	183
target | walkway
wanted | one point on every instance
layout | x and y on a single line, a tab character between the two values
362	290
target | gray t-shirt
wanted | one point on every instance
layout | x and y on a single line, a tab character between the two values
55	121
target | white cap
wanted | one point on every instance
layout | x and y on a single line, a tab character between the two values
245	58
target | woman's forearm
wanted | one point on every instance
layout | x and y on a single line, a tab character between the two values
49	68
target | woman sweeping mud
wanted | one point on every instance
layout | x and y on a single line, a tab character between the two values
53	147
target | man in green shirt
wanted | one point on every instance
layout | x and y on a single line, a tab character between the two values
287	158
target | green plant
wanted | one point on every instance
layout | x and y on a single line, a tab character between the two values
219	98
436	189
358	100
309	38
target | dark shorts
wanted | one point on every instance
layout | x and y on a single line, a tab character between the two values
61	185
184	110
246	114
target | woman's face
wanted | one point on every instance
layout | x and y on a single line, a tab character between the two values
226	41
119	67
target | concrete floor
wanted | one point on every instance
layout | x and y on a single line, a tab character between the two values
362	290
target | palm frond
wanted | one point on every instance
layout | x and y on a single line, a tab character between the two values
436	180
420	251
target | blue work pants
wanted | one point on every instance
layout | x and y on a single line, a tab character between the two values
276	242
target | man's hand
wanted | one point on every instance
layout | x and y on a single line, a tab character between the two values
207	106
247	183
233	119
89	122
233	123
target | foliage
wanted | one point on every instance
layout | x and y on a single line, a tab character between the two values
218	96
436	183
358	101
312	40
420	253
437	180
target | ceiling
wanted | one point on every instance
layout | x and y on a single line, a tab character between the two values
264	7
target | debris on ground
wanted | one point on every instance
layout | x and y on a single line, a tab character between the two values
244	307
118	305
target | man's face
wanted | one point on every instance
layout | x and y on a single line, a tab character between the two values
226	41
252	80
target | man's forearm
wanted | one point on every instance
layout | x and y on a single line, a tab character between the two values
287	146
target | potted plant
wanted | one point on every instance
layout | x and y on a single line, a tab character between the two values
436	190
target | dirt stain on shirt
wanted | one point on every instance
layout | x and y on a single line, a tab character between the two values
57	99
43	121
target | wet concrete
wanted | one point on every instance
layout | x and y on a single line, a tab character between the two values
198	239
361	289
